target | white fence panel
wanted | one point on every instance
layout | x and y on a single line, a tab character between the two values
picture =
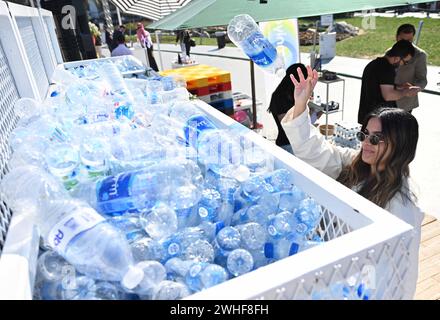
15	54
34	37
50	27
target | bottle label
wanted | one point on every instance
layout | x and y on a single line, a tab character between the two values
194	126
75	222
114	188
259	49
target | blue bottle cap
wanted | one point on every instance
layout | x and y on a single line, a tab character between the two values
218	226
293	249
268	250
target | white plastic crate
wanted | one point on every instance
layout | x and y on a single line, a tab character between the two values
360	238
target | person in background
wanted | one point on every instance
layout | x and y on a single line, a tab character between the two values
116	33
378	80
96	36
121	49
379	171
109	39
413	73
183	38
281	102
98	46
144	39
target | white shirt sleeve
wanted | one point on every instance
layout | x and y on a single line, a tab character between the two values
312	147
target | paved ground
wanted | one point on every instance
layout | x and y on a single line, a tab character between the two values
425	169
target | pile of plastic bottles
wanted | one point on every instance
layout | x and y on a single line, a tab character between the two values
138	194
125	64
345	135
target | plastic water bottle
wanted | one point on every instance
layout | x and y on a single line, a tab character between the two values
78	288
159	222
204	275
129	225
280	180
84	239
155	102
216	148
106	291
239	262
227	240
154	273
28	110
170	290
30	153
94	154
245	34
253	236
291	199
318	100
167	83
110	74
200	250
281	225
308	213
174	183
52	267
147	249
177	269
209	204
253	188
63	162
30	185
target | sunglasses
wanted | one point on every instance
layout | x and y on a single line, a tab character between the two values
374	139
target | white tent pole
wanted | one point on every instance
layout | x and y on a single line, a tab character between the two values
119	16
419	30
158	48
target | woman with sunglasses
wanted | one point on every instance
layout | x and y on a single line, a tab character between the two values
378	172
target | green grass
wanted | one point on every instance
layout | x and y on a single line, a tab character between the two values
374	42
370	44
199	41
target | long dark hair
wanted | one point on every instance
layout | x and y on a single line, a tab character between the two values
401	132
282	98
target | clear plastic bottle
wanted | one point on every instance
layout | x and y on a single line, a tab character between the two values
217	149
209	204
130	226
253	236
30	185
110	74
63	162
159	222
92	245
200	250
170	290
245	34
203	275
174	183
154	273
239	262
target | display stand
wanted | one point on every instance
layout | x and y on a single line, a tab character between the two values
324	107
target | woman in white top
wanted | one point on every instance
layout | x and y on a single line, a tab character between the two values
378	172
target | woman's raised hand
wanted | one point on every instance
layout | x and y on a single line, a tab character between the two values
304	88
